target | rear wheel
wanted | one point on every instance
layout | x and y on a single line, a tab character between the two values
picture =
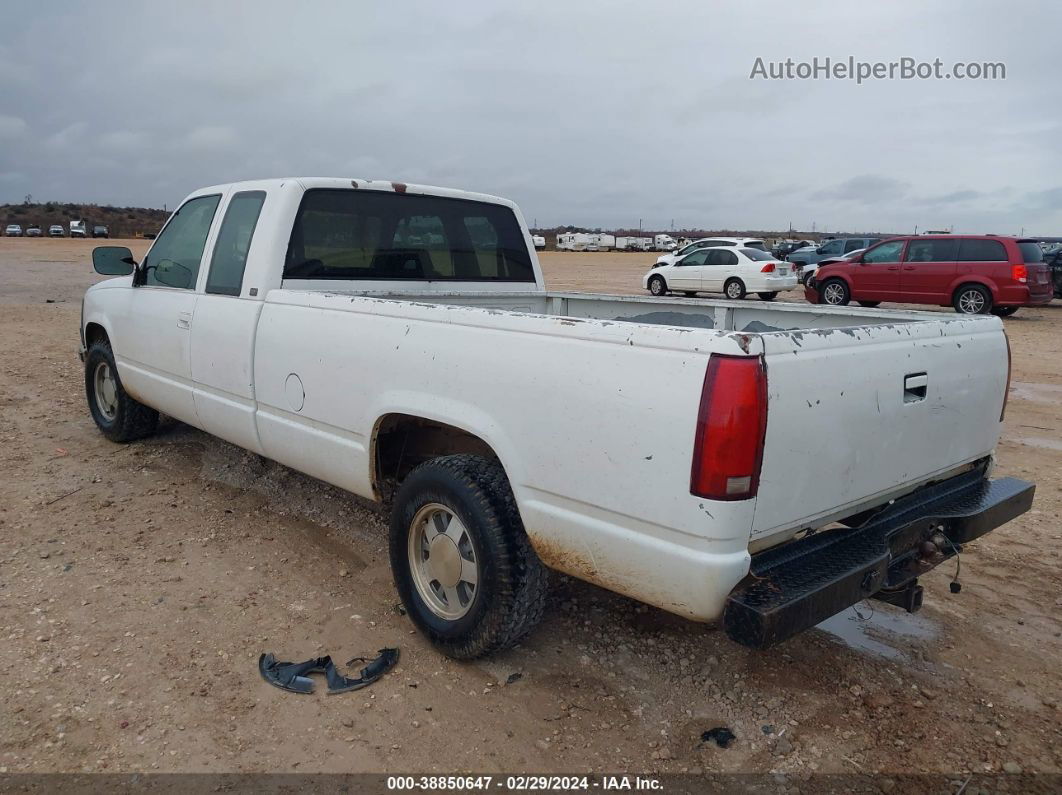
657	285
118	416
734	289
835	292
972	299
869	304
767	296
1004	311
462	563
805	277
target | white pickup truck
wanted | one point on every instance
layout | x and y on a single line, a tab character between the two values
766	466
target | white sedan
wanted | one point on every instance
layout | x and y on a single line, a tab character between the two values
731	271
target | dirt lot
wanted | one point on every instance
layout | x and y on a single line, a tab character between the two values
139	584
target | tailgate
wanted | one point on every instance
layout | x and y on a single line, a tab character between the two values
857	416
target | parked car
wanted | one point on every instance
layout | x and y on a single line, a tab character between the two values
809	257
787	247
653	447
723	269
13	230
101	231
78	229
709	242
55	230
803	277
976	274
1053	260
33	231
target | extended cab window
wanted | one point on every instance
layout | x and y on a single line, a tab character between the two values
832	249
234	240
363	234
974	250
174	258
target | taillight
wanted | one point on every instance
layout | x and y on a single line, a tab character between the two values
731	424
1006	394
1019	273
768	268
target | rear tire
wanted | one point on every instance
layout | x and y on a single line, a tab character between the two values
657	285
689	293
1004	311
767	296
501	585
804	278
119	417
870	304
734	289
835	292
972	299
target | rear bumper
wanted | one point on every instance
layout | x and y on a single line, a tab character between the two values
802	583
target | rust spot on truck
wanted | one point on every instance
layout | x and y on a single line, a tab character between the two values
399	187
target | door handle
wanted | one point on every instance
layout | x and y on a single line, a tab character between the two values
184	320
893	268
908	267
915	386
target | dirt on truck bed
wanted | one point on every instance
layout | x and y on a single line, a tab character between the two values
140	583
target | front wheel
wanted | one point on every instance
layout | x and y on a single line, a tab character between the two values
767	296
118	416
972	299
462	563
835	292
734	289
689	293
870	304
657	285
805	277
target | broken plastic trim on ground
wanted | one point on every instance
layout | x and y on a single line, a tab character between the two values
294	676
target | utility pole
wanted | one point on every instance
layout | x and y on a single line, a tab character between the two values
639	227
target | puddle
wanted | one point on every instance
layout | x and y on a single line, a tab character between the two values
1039	441
1036	393
886	633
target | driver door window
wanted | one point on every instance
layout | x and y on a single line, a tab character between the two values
174	259
832	249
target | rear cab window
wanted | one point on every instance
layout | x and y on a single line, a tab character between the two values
757	244
364	234
234	241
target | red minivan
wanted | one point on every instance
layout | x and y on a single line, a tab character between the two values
975	274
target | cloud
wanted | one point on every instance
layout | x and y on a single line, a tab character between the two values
210	138
866	189
12	127
123	140
67	138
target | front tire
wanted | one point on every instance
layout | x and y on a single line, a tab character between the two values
870	304
462	563
118	416
657	285
835	292
767	296
734	289
972	299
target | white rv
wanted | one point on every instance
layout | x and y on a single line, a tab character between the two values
664	243
538	241
602	242
574	241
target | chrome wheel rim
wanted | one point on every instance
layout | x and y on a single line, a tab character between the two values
971	302
833	294
733	290
656	287
443	561
106	389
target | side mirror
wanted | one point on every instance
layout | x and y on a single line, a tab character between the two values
113	260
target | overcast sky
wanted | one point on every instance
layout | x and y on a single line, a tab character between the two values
598	114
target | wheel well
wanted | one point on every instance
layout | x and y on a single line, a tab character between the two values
972	283
402	441
94	332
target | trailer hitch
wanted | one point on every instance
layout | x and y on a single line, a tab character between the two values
908	596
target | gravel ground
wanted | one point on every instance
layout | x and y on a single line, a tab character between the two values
139	584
